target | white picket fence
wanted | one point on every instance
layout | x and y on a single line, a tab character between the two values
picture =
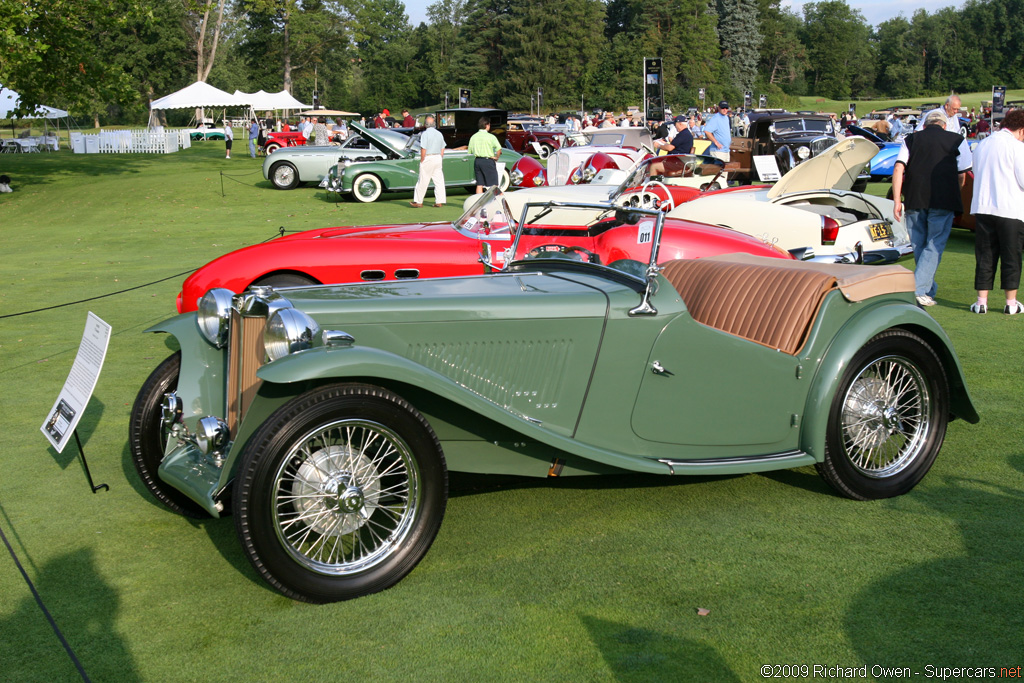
136	141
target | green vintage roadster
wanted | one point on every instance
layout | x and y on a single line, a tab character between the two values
327	417
365	181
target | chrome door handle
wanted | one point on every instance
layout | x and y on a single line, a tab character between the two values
658	369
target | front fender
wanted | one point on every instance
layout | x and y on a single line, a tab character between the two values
857	331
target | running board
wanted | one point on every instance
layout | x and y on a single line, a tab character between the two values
738	465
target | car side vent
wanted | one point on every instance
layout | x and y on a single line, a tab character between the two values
407	273
372	275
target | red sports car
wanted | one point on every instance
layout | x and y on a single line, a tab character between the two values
420	250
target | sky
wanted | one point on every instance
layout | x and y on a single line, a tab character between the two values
874	11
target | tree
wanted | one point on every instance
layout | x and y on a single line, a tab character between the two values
442	50
838	55
51	52
900	61
783	57
384	54
740	40
205	26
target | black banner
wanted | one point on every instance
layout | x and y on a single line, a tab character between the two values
654	90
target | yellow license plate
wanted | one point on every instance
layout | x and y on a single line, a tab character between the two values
880	231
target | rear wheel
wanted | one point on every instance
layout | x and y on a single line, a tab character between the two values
888	418
147	437
284	176
340	493
545	150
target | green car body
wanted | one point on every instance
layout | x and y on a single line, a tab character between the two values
550	368
366	181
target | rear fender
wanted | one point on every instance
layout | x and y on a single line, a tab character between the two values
855	334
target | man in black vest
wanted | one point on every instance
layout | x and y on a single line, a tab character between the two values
929	172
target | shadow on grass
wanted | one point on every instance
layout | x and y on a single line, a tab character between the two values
640	654
466	484
30	650
965	610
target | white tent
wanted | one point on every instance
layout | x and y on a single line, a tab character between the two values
264	101
9	101
197	95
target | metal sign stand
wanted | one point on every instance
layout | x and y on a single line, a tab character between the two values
88	474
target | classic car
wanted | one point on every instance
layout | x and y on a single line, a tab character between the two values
365	181
812	205
791	138
533	137
459	125
624	146
206	131
278	139
287	167
326	419
422	250
881	165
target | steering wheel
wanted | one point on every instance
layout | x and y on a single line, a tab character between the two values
666	205
574	252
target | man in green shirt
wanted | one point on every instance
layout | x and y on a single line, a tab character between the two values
486	148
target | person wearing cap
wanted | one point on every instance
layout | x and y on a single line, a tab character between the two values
718	129
682	143
378	120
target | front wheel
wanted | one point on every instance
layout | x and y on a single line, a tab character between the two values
284	175
271	147
147	436
888	418
340	493
366	188
544	150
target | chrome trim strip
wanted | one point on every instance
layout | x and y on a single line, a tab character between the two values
773	458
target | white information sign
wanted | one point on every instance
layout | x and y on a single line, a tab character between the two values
767	168
67	410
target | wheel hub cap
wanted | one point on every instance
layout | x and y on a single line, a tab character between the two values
336	490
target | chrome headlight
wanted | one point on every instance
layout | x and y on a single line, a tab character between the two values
576	176
214	314
289	331
538	179
803	152
589	174
516	176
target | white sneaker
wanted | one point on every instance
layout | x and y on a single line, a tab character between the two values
1014	308
4	187
978	307
925	300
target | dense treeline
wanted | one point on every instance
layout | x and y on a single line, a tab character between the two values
114	55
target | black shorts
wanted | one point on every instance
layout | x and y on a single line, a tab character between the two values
227	143
486	171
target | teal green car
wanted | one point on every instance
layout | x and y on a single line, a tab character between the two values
366	181
327	418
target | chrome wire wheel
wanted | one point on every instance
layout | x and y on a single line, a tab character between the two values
345	497
284	175
885	417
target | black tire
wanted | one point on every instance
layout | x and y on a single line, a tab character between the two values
366	188
284	176
285	280
304	534
888	419
146	437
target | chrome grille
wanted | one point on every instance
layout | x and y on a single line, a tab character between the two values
558	169
245	356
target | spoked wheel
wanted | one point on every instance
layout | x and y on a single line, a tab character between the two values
888	419
284	176
147	436
340	493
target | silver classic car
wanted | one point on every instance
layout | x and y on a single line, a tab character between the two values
289	166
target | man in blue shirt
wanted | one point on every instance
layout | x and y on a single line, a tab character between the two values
682	143
254	132
718	130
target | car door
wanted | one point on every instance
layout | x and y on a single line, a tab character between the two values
705	387
458	168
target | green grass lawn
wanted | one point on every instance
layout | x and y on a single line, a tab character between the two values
972	99
586	579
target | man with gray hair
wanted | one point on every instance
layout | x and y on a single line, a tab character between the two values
929	172
951	110
432	146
